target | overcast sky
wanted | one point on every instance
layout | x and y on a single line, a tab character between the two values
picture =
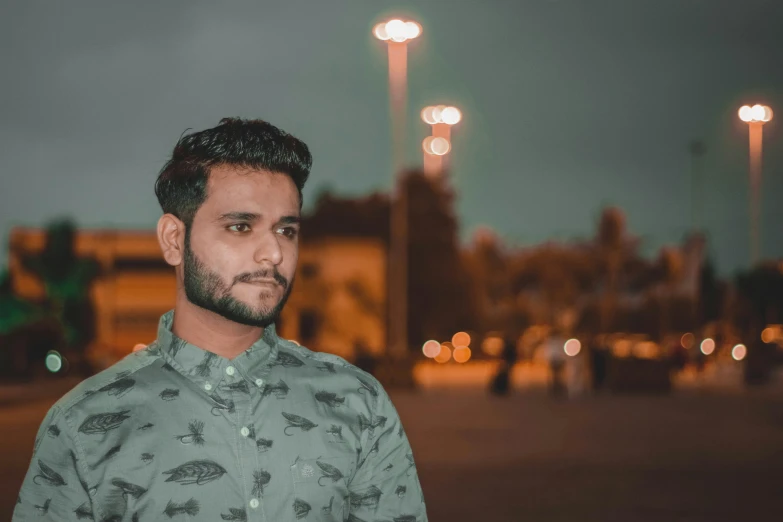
569	105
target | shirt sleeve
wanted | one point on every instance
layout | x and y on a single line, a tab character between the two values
385	486
54	488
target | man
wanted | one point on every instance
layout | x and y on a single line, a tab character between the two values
219	418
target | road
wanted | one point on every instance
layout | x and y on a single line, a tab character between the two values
689	456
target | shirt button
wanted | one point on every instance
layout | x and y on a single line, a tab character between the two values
259	382
207	386
254	503
244	431
230	370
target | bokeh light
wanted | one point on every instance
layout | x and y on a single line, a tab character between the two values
431	348
687	340
460	339
444	354
746	113
739	352
758	112
492	345
461	354
768	335
412	30
707	346
380	32
767	114
428	116
572	347
440	146
450	115
54	361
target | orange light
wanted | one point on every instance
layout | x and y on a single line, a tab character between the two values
707	346
380	32
492	345
739	352
440	146
767	335
444	355
462	354
687	340
431	348
427	116
450	115
746	113
460	339
572	347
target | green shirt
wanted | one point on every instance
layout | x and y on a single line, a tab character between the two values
173	432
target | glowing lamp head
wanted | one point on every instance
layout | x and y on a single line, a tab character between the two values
412	30
450	115
380	32
758	112
767	114
428	116
440	146
746	113
739	352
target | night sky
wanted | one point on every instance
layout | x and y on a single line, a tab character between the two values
569	105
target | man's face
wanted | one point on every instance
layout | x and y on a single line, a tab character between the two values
243	246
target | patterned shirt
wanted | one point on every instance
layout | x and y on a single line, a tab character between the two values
173	432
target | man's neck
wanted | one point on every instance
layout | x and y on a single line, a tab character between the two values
209	331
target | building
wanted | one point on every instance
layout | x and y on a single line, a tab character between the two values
337	304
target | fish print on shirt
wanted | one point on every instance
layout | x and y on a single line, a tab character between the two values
286	360
280	390
120	387
169	394
195	434
53	431
295	421
226	405
330	399
49	476
264	445
128	489
103	422
301	508
240	387
235	514
261	479
191	507
83	511
197	472
205	366
328	472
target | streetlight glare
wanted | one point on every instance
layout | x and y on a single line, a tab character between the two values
739	352
451	115
440	146
767	114
746	113
396	30
758	112
380	32
428	116
412	30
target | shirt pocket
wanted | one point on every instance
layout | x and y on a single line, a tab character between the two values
320	487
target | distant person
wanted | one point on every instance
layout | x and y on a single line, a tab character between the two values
501	383
556	357
219	418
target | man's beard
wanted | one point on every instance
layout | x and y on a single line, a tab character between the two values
206	289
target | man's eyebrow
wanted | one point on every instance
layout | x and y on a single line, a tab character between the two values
239	216
290	220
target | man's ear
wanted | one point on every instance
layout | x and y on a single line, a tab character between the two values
171	237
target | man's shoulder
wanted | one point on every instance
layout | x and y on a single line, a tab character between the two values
330	364
81	394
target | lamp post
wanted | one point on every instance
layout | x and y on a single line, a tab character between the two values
441	118
755	117
397	33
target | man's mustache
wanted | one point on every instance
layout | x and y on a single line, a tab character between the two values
262	274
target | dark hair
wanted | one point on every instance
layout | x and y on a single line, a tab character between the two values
181	187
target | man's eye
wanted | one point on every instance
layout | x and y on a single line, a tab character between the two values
289	232
240	227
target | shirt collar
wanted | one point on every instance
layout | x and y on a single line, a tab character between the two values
208	368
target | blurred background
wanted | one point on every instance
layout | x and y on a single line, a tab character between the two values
550	227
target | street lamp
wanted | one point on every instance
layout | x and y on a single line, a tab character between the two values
755	117
441	118
397	33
